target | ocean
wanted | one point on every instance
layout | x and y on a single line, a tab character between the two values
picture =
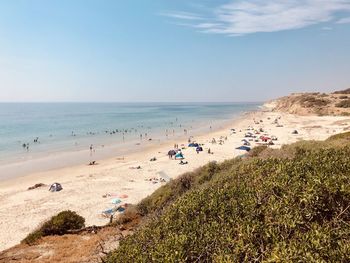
30	132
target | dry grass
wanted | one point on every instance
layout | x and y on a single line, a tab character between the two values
315	104
346	91
86	247
131	217
343	104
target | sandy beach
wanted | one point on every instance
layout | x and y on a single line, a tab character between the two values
84	186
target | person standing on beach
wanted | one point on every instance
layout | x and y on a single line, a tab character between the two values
91	149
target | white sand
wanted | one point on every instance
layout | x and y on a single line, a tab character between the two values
21	211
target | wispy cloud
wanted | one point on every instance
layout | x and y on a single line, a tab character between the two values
345	20
242	17
182	15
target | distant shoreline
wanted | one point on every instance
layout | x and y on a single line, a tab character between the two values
66	159
105	147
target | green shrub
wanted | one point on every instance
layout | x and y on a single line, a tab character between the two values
62	223
59	224
340	136
33	237
207	173
130	214
256	151
168	193
293	209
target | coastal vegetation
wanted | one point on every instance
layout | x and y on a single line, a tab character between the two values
346	91
290	204
344	104
336	103
314	101
59	224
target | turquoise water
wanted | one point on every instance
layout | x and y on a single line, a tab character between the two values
65	127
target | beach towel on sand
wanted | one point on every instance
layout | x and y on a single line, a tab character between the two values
116	201
108	211
243	148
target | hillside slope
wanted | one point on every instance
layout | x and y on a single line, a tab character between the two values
92	247
285	205
337	103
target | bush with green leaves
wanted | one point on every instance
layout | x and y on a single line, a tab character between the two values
176	188
59	224
292	209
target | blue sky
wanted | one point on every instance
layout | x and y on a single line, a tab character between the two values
163	50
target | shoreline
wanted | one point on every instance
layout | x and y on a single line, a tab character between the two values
23	210
150	148
51	161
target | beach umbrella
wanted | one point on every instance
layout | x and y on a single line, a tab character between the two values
243	148
179	155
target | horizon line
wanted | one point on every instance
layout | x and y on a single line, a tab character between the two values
9	102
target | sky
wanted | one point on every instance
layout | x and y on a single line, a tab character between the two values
171	51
